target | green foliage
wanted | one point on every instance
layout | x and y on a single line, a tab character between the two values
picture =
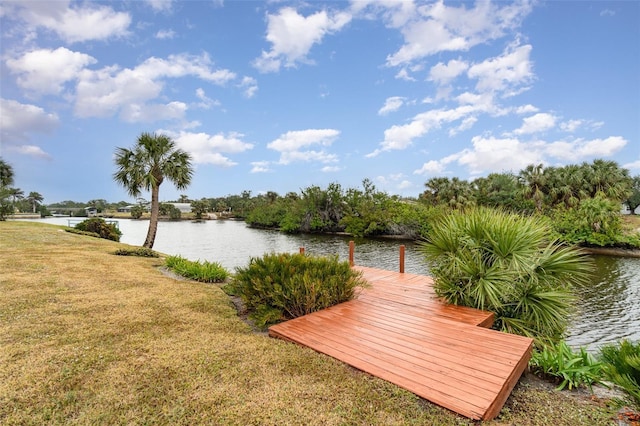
507	264
137	211
571	369
85	233
633	200
138	251
621	365
277	287
208	272
98	225
595	222
199	208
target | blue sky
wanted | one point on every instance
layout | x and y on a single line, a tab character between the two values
278	96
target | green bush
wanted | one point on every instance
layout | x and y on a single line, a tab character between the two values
506	264
571	369
137	211
208	272
138	251
621	365
278	287
98	225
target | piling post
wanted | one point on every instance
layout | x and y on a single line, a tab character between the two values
402	259
301	250
351	250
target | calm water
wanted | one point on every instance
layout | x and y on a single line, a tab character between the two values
609	308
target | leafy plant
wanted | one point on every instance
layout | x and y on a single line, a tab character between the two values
138	251
99	226
621	365
277	287
208	272
571	369
507	264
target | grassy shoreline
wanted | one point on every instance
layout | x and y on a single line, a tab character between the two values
87	337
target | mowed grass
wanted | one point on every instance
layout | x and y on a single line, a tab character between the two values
87	337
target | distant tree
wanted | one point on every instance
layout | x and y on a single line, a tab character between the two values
533	183
633	200
183	198
6	174
497	190
455	193
137	211
607	178
6	180
35	199
16	194
199	208
99	204
153	159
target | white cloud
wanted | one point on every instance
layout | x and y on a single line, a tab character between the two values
205	101
250	86
526	109
160	5
431	167
293	35
165	34
110	90
632	166
330	169
399	137
18	121
148	113
509	73
291	145
391	104
77	23
537	123
31	150
607	12
580	148
45	71
208	149
435	27
403	74
260	167
444	73
494	154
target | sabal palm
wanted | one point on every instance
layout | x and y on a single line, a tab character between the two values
34	199
534	184
506	264
6	174
153	159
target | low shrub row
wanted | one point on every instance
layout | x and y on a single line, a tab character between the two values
208	272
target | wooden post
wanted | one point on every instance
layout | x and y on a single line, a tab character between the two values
301	250
351	249
402	259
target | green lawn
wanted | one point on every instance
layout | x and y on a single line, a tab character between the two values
87	337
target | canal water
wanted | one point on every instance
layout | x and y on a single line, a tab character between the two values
609	308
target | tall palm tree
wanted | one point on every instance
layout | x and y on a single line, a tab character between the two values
534	184
153	159
6	174
34	198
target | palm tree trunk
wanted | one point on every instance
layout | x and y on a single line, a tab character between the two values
155	213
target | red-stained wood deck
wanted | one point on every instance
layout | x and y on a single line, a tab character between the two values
398	331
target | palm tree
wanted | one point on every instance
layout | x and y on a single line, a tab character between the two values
507	264
153	159
534	184
34	198
6	174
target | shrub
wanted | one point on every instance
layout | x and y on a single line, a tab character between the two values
278	287
208	272
507	264
138	251
571	369
621	365
137	211
98	225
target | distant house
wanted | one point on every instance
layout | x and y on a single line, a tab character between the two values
91	211
183	207
125	209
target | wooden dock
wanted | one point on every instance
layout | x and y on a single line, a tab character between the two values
398	331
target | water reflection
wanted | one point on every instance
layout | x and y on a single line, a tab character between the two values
608	309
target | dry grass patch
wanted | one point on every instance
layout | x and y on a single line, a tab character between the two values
87	337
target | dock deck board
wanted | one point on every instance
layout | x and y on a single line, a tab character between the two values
397	330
